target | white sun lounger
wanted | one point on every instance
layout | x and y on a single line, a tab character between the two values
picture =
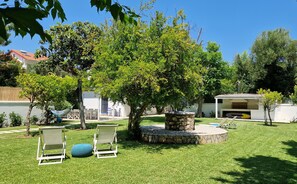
52	144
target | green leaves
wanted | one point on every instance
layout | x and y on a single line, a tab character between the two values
118	12
47	89
22	24
25	14
274	56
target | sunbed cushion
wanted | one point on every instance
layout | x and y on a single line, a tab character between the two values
81	150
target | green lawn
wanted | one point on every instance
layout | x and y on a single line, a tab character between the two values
253	154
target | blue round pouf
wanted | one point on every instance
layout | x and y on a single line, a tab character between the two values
81	150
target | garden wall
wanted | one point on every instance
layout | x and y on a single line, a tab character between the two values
18	107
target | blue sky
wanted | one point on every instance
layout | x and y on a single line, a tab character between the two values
233	24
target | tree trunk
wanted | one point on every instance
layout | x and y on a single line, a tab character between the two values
46	114
134	122
270	120
199	109
265	116
81	106
160	109
27	122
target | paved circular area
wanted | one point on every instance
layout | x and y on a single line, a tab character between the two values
203	134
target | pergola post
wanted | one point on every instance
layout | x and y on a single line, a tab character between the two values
216	107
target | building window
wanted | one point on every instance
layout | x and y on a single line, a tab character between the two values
239	105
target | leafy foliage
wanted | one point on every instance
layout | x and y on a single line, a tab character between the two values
2	119
293	96
43	90
269	101
216	70
72	52
243	75
15	119
24	15
274	56
9	69
147	65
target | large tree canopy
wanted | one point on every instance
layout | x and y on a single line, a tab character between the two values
212	60
9	69
243	77
23	15
43	90
72	50
274	57
147	65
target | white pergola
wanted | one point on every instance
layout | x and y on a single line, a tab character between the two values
242	96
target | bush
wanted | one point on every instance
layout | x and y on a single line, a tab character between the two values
15	119
61	105
2	119
33	120
212	114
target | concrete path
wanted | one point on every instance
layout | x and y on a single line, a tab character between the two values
16	131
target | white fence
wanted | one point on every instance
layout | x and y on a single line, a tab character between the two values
20	108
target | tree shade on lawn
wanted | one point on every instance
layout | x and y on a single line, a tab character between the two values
253	153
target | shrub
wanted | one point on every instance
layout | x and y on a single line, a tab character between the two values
2	119
33	120
16	119
212	114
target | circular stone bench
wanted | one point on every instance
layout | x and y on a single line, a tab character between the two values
81	150
203	134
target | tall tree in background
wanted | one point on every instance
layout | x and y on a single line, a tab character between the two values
274	57
21	16
72	49
9	69
147	65
215	71
243	77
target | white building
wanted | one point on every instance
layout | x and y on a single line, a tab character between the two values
104	106
248	106
25	58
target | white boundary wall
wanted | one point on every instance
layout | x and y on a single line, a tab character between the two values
20	108
207	108
285	113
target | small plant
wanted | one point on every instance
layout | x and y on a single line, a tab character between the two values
15	119
212	114
33	120
2	119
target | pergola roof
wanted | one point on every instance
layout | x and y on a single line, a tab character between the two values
238	96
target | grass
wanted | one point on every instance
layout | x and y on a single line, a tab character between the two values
253	154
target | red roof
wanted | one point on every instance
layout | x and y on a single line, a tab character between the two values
27	55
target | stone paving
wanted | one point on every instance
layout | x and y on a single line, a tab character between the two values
203	134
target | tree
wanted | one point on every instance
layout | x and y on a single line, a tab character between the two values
146	65
22	15
243	77
293	96
274	57
9	69
213	62
42	90
269	100
72	50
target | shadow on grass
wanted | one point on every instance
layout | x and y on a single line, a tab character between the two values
273	125
262	169
292	150
89	125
